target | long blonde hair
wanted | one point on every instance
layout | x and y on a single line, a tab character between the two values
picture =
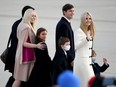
27	18
83	26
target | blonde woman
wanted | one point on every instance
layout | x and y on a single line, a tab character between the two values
83	48
26	39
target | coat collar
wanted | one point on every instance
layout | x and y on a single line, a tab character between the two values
67	19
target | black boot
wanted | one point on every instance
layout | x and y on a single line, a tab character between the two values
24	84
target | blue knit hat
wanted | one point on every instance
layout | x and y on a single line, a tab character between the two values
68	79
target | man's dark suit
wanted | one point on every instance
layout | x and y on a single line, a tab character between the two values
63	29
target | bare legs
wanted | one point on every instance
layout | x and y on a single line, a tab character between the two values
16	83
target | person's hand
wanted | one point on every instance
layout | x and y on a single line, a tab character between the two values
41	46
72	63
55	86
105	61
89	35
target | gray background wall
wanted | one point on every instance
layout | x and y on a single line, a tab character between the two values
49	12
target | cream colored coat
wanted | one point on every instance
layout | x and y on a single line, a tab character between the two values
82	61
22	71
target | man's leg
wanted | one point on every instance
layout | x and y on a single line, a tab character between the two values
10	82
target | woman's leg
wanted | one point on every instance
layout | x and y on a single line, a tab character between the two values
16	83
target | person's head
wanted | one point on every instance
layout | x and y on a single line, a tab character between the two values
93	55
68	11
25	8
30	17
91	81
64	43
87	23
102	81
68	79
41	34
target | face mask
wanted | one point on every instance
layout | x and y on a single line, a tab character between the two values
93	60
67	48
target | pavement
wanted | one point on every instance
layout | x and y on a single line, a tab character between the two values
49	12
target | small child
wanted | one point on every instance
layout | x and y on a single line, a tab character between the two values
60	60
96	67
41	73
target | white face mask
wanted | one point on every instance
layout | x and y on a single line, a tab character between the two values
66	47
93	60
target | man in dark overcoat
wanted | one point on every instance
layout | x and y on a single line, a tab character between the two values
10	61
64	29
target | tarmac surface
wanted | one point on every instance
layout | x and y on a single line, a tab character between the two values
49	12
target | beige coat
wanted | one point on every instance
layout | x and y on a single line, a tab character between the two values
82	67
22	71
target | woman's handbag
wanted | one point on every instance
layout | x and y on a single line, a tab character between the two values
28	54
4	55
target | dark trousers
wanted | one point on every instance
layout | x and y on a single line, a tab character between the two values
10	82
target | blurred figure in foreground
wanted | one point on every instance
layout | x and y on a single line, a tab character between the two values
100	81
68	79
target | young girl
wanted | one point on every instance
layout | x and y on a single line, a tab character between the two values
41	73
60	61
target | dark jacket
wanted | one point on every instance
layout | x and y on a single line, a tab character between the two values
97	68
60	64
63	29
41	73
10	61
